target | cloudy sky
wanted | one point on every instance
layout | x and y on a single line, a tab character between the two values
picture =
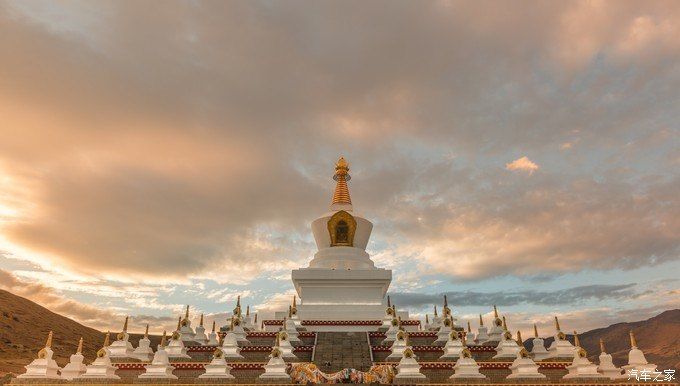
157	154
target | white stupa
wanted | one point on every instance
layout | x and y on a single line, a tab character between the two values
199	336
444	332
285	346
160	367
248	323
496	332
508	348
427	325
561	347
408	369
447	313
538	350
275	369
101	368
175	348
75	366
291	330
341	282
230	347
237	323
636	358
217	368
391	333
43	367
389	314
144	352
453	347
581	367
606	366
212	337
398	347
187	334
523	367
469	336
482	333
466	367
121	348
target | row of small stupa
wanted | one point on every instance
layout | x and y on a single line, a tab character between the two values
455	341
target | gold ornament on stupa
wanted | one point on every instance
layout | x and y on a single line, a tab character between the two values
48	345
580	351
341	194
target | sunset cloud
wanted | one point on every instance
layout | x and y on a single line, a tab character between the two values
522	164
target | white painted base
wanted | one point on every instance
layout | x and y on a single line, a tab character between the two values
524	368
74	368
538	351
217	369
466	368
409	368
582	368
275	369
45	368
608	369
101	368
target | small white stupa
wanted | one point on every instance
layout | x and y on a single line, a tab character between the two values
427	323
523	367
43	367
121	348
447	313
230	348
391	333
187	334
606	366
218	367
237	323
75	366
561	347
389	313
175	348
143	352
454	346
466	367
469	336
436	320
398	347
212	337
496	332
444	332
248	323
291	329
636	358
507	348
101	368
538	350
160	367
581	367
408	369
275	369
285	346
199	335
482	333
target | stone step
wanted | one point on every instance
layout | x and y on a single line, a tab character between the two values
339	350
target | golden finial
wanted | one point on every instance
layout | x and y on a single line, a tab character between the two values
107	339
481	321
435	311
294	301
179	321
520	342
341	194
427	319
146	332
125	325
102	351
248	310
406	338
290	311
446	302
389	303
469	328
186	314
255	321
495	311
278	340
213	328
557	324
633	342
164	338
602	348
463	338
48	343
505	325
200	322
231	327
79	350
535	331
238	301
577	342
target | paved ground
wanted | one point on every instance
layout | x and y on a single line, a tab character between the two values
338	350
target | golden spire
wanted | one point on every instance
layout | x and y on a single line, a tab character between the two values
107	339
290	311
213	329
200	322
535	331
577	342
238	301
446	302
633	342
146	332
557	324
164	338
179	321
481	321
255	321
427	319
341	194
505	325
435	310
602	348
125	325
79	350
186	314
48	343
248	310
520	342
469	328
294	301
495	311
389	303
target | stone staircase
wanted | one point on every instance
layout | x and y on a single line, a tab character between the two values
338	350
